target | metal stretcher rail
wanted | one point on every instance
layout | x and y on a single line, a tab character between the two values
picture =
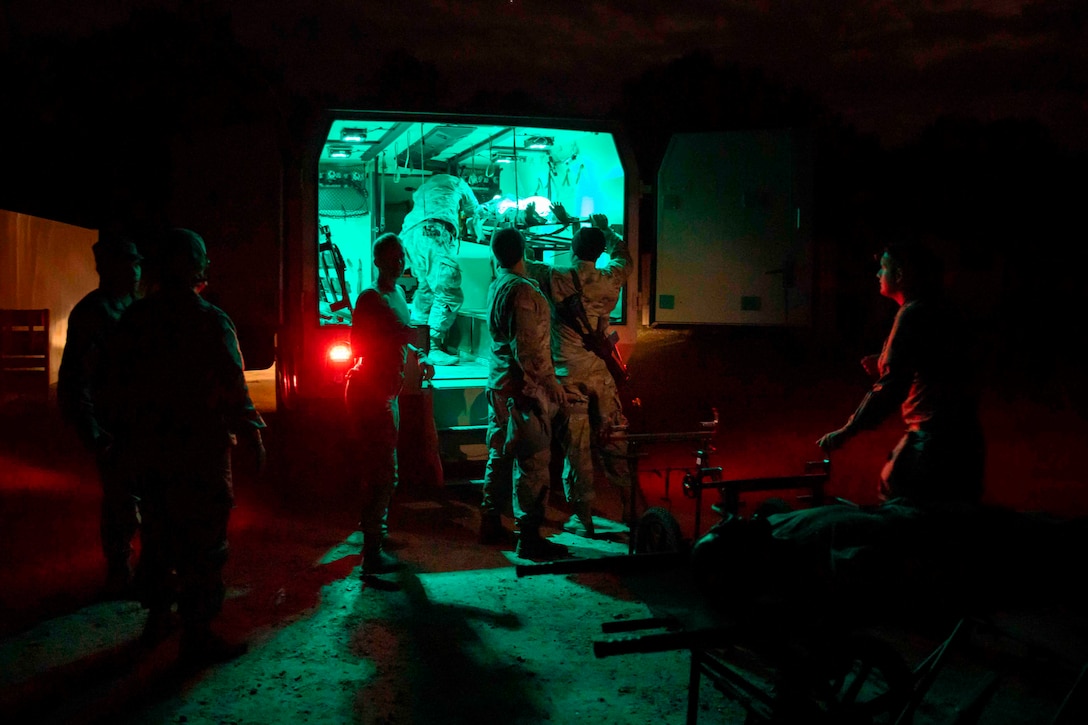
804	670
791	671
703	476
801	670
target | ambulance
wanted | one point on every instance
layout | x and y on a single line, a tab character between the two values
720	233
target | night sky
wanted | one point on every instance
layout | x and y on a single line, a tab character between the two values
888	68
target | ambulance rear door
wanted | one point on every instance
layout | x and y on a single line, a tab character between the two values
734	233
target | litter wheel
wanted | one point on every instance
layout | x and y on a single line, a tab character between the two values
657	532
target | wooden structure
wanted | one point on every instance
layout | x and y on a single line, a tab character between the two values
24	353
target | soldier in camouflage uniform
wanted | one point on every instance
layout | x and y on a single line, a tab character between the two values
593	400
183	403
523	398
431	234
80	387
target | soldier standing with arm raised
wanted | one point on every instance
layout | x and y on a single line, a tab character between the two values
594	406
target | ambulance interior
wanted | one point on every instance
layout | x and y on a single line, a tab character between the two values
546	181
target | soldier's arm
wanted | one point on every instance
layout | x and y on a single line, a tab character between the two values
896	376
241	415
373	322
620	261
79	360
365	326
469	203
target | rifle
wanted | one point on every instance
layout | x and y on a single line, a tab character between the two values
573	312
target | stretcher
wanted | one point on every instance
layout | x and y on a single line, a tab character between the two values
788	662
785	655
656	530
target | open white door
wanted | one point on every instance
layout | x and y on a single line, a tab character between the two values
734	243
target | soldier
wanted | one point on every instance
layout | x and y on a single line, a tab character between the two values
926	368
183	404
81	386
592	396
523	399
381	336
431	234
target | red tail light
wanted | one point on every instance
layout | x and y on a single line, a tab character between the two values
339	352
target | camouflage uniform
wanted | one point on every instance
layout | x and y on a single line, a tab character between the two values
183	400
520	414
593	399
380	333
80	387
430	234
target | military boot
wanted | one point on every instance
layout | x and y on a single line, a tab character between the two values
533	546
493	532
581	521
160	624
375	560
119	581
438	354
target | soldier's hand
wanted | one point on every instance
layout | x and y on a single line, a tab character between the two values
833	440
103	446
260	455
599	220
871	365
572	397
557	396
560	213
426	368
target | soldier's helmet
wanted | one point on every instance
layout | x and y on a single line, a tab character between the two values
184	257
115	247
